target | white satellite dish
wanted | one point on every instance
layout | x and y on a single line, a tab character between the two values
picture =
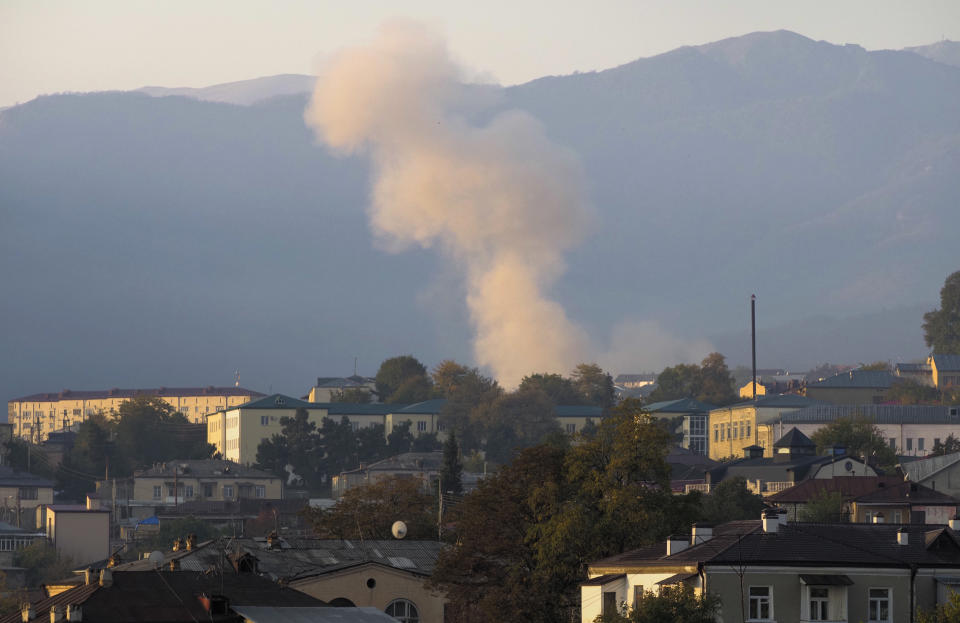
399	529
156	558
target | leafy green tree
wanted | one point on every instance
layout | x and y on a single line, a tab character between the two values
369	511
394	372
400	439
171	530
558	389
594	386
673	604
680	381
827	507
412	389
731	500
338	444
948	612
516	420
273	455
304	448
948	446
352	395
911	392
466	391
88	458
43	563
147	430
371	445
425	442
716	382
941	327
859	436
452	469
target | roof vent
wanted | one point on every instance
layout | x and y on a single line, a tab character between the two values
878	518
74	612
27	613
56	613
954	523
771	521
676	544
701	533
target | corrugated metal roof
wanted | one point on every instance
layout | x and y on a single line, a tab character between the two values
271	614
877	379
880	414
949	363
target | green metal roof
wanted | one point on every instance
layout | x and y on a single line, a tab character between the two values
273	401
946	362
680	405
877	379
578	411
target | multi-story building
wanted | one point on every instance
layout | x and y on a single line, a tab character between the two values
734	428
909	430
237	431
771	570
695	416
37	415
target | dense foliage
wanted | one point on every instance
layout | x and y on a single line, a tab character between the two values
672	604
941	327
860	437
709	382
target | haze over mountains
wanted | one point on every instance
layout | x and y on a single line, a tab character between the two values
170	240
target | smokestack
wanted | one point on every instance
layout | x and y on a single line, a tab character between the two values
676	544
903	537
954	523
878	518
753	343
701	533
771	521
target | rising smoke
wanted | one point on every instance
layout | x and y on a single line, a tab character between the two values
498	197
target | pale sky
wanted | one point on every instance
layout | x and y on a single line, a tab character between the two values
49	46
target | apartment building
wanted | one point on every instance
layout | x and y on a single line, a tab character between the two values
35	416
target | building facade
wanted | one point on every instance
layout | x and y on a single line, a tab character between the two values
734	428
34	417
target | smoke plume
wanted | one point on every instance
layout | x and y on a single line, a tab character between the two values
499	198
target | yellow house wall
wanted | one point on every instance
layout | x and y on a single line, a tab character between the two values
577	422
747	390
749	416
193	488
82	536
10	497
389	585
56	414
428	420
244	429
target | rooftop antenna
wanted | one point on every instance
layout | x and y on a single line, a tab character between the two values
236	378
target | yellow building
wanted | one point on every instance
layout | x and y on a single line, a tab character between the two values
946	370
735	427
20	495
36	416
854	387
747	390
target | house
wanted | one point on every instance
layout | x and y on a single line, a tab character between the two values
849	488
161	595
770	570
328	387
635	381
687	468
423	465
905	502
22	493
37	415
940	473
734	427
385	574
695	416
574	418
855	387
945	370
909	430
919	372
794	460
78	532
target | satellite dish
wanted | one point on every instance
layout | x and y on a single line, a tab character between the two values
156	558
399	529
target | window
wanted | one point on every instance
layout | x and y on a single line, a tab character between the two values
609	606
819	602
637	594
920	443
171	491
260	491
761	603
28	493
909	444
893	443
403	610
264	420
748	429
421	427
571	428
878	609
189	491
208	491
156	492
897	516
716	433
355	426
77	412
227	491
936	442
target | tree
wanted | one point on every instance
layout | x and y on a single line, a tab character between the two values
594	385
394	372
826	507
731	500
273	455
466	391
452	469
948	446
559	390
911	392
859	436
941	327
516	420
948	612
716	382
42	562
400	439
680	381
412	389
353	395
148	430
369	511
672	604
304	450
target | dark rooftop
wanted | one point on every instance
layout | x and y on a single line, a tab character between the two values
68	394
202	468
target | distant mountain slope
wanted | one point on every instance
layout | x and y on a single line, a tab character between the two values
244	92
170	240
947	52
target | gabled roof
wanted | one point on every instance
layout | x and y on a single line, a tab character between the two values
880	414
907	493
920	470
589	411
68	394
10	477
794	439
876	379
202	468
681	405
848	487
427	406
947	363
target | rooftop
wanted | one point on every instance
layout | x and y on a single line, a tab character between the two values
681	405
848	487
876	379
946	362
68	394
10	477
880	414
776	401
203	468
